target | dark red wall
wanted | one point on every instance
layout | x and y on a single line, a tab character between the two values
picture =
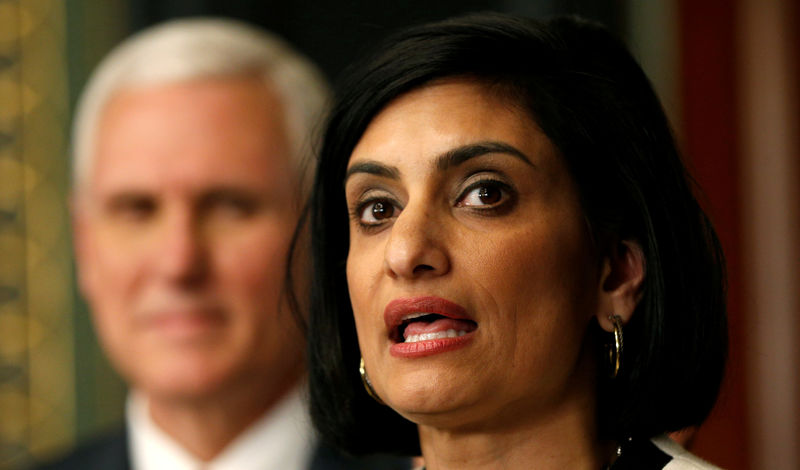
710	129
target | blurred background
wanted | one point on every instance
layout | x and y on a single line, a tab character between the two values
727	71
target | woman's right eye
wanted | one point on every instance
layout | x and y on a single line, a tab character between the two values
376	211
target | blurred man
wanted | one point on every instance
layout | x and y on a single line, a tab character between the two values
191	143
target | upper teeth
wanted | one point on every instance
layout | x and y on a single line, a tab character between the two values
436	335
415	315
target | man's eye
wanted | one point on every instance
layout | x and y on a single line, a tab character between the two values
235	207
483	194
376	211
133	209
230	204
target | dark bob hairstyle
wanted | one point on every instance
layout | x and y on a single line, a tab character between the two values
596	106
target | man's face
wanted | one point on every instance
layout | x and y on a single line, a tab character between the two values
182	231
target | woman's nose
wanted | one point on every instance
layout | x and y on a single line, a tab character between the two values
416	246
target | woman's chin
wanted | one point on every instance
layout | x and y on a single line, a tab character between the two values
444	417
427	402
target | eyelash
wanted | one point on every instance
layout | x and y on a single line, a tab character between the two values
507	198
357	213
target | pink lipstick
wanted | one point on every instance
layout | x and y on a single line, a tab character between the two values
422	326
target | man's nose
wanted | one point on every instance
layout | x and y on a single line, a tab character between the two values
182	256
417	245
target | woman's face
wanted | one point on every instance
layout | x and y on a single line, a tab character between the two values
471	271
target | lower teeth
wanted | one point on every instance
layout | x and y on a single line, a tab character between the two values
436	335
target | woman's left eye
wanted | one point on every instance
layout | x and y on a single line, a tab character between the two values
484	194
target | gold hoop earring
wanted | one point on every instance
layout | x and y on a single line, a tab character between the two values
615	349
367	384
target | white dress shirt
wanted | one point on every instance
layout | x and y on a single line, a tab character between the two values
281	439
682	459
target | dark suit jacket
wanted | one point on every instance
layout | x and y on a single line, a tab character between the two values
111	453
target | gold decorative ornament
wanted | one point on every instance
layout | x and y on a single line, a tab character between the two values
367	384
615	350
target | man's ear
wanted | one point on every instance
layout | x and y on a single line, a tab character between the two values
623	272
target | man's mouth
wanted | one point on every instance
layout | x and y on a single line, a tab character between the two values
184	322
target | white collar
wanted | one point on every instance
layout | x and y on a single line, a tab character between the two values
282	438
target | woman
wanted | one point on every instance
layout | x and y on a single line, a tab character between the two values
507	248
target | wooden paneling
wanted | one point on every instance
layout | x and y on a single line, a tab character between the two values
36	373
710	128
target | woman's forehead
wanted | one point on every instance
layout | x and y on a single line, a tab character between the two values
440	116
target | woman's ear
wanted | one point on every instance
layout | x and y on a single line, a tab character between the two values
623	272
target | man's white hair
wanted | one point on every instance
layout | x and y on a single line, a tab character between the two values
187	49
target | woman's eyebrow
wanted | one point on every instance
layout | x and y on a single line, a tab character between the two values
459	155
373	168
444	161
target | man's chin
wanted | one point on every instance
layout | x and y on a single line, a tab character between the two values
185	380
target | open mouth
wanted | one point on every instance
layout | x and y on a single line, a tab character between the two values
418	327
424	326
